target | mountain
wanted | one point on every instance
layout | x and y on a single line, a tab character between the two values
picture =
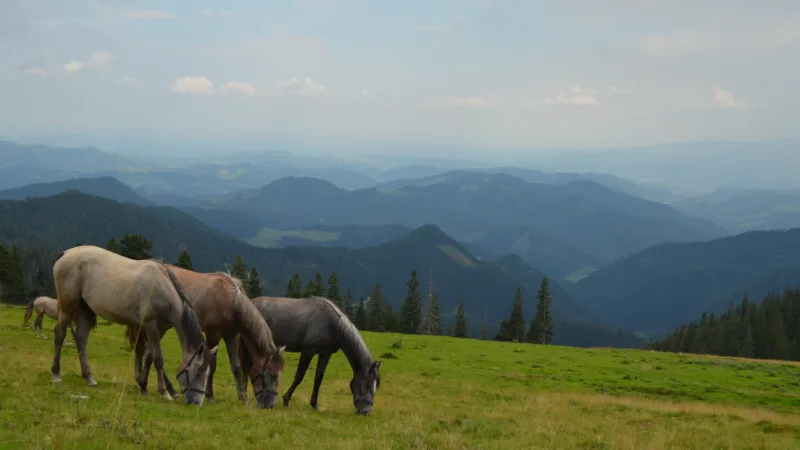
107	187
660	288
741	210
500	212
71	159
693	165
73	218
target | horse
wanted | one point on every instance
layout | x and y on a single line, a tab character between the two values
316	326
91	281
43	306
224	311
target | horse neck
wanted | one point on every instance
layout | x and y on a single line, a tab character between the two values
354	347
253	326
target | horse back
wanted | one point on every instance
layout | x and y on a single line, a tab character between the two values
212	295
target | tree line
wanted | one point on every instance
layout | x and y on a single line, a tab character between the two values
769	330
417	315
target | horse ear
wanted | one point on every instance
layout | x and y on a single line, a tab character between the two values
281	349
201	349
376	365
214	350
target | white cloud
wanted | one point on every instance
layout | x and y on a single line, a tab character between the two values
73	66
132	81
364	92
100	59
462	102
446	28
243	87
37	71
615	91
192	85
301	86
576	96
147	14
725	99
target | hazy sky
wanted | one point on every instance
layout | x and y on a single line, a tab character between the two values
568	73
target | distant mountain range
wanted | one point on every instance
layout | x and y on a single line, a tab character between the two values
74	218
741	210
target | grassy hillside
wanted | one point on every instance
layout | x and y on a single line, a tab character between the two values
435	393
72	218
667	285
583	216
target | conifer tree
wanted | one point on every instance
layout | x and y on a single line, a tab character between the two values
254	284
432	323
135	246
334	293
39	284
239	268
411	311
748	348
542	330
377	311
461	330
348	306
14	289
294	287
484	333
517	320
185	261
113	246
361	315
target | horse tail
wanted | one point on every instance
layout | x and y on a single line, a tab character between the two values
136	339
28	313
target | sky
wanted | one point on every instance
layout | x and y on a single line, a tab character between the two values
505	74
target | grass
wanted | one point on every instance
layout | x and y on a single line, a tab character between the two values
270	238
437	392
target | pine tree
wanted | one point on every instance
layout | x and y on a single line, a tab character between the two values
361	315
432	322
484	333
254	284
334	293
14	289
461	330
541	330
748	347
294	289
185	261
114	247
517	320
348	306
411	311
39	284
377	311
239	268
135	246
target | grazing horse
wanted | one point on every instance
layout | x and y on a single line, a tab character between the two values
91	282
43	306
224	310
315	326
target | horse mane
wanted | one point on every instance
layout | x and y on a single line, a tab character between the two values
254	325
189	323
353	345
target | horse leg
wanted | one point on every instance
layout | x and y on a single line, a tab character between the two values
302	368
154	339
322	363
81	338
236	366
148	361
37	325
212	340
60	333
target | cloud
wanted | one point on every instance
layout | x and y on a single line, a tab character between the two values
131	81
462	102
100	59
576	96
447	27
242	87
725	99
73	66
193	85
147	14
301	86
364	92
614	91
35	71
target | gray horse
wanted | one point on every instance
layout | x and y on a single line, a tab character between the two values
315	326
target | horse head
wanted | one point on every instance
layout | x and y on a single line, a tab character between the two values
363	386
194	375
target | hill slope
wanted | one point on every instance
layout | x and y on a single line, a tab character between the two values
472	207
74	218
667	285
107	187
747	210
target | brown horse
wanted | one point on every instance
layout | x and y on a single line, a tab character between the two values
43	306
224	310
91	282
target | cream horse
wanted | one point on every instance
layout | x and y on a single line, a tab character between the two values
43	306
91	281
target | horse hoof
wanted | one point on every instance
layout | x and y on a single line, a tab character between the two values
211	400
167	396
91	382
56	379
